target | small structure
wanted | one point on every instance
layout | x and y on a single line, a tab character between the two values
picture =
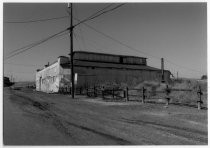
96	68
7	82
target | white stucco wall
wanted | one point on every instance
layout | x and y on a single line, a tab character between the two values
53	78
47	80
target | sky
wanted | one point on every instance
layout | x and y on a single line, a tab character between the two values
176	32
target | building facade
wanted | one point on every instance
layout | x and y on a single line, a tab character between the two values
97	69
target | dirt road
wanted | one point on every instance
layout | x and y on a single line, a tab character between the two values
35	118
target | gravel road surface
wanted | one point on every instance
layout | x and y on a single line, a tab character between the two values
36	118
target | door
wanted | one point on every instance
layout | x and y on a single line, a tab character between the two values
40	83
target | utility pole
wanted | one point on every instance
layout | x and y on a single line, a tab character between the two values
71	50
162	70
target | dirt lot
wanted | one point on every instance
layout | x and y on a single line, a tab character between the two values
36	118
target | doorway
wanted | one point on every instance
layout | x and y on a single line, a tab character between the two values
40	83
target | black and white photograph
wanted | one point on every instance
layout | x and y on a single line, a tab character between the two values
103	73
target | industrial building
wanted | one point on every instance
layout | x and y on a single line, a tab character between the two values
96	69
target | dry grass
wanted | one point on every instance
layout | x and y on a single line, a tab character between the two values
184	97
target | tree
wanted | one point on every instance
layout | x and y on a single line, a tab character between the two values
204	77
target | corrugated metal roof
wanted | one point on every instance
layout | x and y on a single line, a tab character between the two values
97	53
81	63
109	65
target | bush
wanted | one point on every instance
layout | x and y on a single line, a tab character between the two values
188	97
204	77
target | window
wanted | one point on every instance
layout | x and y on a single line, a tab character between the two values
121	60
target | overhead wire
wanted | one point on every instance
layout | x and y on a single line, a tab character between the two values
80	30
96	13
35	44
25	65
29	45
134	49
49	19
34	21
55	37
77	40
83	22
92	42
182	66
119	42
39	42
90	18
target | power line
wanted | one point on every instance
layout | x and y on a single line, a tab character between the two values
54	18
25	65
49	19
83	41
40	42
80	29
29	45
96	13
33	45
83	21
183	66
92	43
34	21
54	38
90	18
120	42
113	39
76	40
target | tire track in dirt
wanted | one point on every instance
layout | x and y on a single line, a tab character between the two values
55	115
58	123
63	126
190	134
28	105
180	134
144	139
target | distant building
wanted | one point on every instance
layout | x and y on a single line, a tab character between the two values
7	82
96	68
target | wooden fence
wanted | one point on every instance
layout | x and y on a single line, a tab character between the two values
131	94
113	94
142	95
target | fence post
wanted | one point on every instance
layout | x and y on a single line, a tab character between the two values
167	95
199	102
70	89
94	91
113	93
102	94
87	91
127	95
143	95
124	93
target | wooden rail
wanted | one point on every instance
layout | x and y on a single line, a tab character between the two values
167	91
142	94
